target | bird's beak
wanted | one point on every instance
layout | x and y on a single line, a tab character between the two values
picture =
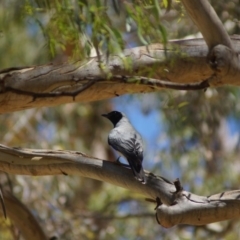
105	115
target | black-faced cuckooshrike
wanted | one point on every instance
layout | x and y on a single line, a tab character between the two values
126	140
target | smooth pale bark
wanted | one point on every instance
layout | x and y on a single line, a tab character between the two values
223	56
207	22
175	205
49	162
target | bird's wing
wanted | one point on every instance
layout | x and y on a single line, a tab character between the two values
129	147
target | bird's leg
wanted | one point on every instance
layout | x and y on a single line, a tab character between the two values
118	159
122	164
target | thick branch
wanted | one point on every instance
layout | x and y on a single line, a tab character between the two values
223	57
142	69
208	23
195	210
48	162
175	206
185	64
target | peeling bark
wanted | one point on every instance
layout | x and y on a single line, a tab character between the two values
184	62
198	210
49	162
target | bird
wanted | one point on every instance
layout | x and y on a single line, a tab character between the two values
128	142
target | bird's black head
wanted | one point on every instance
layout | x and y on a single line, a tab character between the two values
114	117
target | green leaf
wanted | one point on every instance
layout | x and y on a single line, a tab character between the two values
182	104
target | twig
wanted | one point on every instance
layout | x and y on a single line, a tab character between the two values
53	94
165	84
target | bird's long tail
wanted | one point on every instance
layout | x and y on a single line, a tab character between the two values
137	169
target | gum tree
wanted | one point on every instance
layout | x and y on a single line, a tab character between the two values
195	64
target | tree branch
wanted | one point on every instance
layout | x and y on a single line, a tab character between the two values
198	210
223	56
22	218
208	23
175	206
181	66
164	84
49	162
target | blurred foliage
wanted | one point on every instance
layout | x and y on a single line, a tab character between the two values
74	28
195	144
